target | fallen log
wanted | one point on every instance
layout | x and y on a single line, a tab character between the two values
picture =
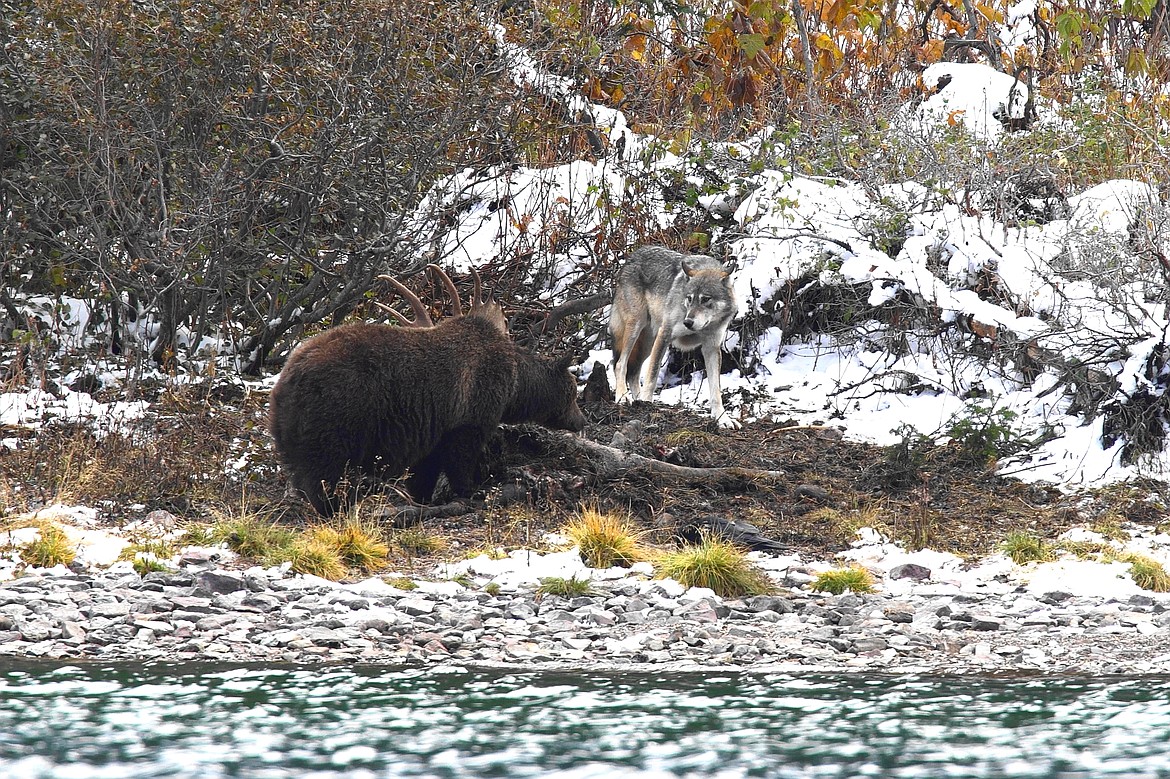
410	514
599	462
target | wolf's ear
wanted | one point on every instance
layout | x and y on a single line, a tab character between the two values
688	269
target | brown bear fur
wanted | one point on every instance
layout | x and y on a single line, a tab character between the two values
362	401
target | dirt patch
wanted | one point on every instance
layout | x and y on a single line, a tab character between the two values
201	449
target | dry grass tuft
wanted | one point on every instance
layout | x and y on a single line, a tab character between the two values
52	547
401	582
843	524
416	542
1025	548
1084	550
564	588
145	565
854	578
253	535
605	539
717	565
1147	572
316	557
358	544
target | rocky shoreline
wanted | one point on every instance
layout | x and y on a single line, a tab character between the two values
207	611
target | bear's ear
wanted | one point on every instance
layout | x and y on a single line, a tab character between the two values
563	363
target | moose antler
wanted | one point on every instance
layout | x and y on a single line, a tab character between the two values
477	300
422	317
450	285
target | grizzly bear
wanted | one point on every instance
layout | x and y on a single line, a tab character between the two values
364	402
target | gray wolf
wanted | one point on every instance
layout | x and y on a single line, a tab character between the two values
369	401
666	298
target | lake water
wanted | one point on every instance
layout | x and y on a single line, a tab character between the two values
123	721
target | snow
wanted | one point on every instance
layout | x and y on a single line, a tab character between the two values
525	567
34	407
971	94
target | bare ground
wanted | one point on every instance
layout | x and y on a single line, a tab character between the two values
203	452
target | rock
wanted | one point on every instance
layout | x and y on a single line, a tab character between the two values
416	606
218	582
758	603
910	571
899	612
155	626
188	603
72	631
270	616
985	622
325	636
870	644
812	492
592	615
520	610
261	602
110	609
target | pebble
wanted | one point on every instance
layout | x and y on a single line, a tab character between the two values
271	615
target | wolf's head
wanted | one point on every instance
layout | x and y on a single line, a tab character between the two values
707	297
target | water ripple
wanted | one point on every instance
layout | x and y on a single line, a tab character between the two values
91	722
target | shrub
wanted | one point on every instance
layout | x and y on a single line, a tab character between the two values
562	587
851	579
717	565
51	548
902	462
605	539
1025	548
984	433
492	588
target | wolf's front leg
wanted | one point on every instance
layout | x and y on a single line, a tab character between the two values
713	363
652	366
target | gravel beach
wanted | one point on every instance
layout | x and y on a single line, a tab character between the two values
210	611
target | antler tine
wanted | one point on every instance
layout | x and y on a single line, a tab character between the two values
399	317
476	299
421	317
449	285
